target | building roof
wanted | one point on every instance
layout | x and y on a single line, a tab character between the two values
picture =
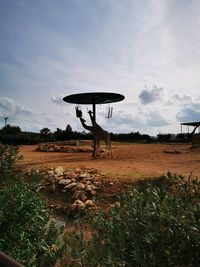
197	123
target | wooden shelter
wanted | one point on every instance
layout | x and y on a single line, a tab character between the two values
194	124
195	137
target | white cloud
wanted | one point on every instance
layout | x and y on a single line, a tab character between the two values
58	100
9	107
148	96
154	119
126	122
182	99
189	113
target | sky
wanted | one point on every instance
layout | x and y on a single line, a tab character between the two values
146	50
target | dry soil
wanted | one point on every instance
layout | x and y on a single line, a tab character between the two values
130	161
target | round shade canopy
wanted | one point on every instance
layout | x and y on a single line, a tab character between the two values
93	98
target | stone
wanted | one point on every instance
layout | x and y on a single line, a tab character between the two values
94	187
54	248
96	179
78	204
93	192
93	171
77	194
84	175
117	204
91	179
58	178
85	181
70	186
50	172
71	175
80	186
83	197
88	188
78	170
64	181
59	171
39	188
89	203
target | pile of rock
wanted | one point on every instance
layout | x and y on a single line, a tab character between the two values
67	146
80	186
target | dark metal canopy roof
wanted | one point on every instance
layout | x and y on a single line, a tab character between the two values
93	98
197	123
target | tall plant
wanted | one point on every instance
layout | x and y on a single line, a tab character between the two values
8	157
26	233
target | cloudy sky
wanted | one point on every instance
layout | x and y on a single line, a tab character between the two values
147	50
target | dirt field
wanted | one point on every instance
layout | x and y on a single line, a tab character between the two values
130	161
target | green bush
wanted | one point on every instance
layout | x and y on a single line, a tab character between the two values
156	224
26	233
8	157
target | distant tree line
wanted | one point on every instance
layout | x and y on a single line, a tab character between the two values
174	138
133	136
15	136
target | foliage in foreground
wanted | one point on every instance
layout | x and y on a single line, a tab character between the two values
24	234
156	224
8	156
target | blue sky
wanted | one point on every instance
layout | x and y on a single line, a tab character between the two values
147	50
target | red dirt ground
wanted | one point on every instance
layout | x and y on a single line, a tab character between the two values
130	161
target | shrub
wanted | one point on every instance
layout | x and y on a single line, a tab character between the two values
26	233
155	224
8	157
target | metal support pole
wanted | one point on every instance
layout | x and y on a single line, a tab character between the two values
94	111
181	128
94	116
